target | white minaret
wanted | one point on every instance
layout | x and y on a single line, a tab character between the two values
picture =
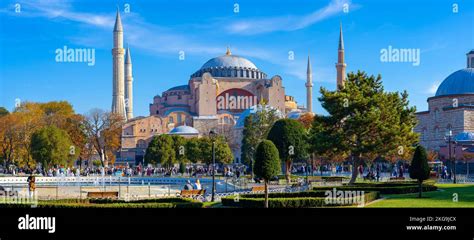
340	65
309	87
128	85
118	100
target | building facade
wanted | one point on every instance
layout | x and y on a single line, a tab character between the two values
451	109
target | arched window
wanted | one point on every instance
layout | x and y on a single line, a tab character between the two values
170	119
436	115
436	133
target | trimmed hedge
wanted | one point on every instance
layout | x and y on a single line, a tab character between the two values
289	200
111	203
383	189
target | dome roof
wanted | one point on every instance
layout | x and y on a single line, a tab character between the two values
294	114
184	130
464	137
229	61
232	66
252	110
459	82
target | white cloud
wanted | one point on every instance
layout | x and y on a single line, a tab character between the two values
433	88
288	23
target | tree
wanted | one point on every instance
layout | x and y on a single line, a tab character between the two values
51	146
161	150
364	122
267	163
222	150
419	168
193	150
289	136
256	128
306	119
179	145
3	111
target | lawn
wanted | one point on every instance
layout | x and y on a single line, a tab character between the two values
441	198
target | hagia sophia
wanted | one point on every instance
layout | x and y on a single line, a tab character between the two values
221	92
225	89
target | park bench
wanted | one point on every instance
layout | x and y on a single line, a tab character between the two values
192	193
397	178
258	189
333	179
111	195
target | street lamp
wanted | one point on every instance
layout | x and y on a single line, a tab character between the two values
212	135
449	135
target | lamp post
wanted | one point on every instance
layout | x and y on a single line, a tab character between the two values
448	137
212	134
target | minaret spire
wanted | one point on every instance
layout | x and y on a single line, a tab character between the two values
118	99
309	87
340	65
128	85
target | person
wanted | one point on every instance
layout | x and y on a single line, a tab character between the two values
31	185
197	185
188	185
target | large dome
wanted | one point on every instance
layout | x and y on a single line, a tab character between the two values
230	66
459	82
229	61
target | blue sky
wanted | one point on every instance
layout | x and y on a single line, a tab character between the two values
262	31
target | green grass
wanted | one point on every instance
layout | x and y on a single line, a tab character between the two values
437	199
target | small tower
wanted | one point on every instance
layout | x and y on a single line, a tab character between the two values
470	59
128	85
309	87
340	65
118	100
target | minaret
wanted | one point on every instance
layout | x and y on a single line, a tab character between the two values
118	101
340	65
470	59
128	85
309	87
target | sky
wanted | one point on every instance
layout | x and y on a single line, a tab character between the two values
265	32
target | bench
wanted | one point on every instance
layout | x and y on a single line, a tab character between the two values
258	189
333	179
112	195
397	178
192	193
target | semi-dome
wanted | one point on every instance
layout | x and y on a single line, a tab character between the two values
459	82
230	65
464	137
184	130
253	110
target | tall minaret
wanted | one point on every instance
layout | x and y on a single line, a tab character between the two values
309	87
340	65
118	101
128	85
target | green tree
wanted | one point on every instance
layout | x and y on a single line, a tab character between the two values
161	150
290	138
51	146
179	145
193	150
256	128
419	168
364	122
267	163
222	150
3	111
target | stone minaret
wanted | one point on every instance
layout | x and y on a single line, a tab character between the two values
309	87
470	59
340	65
118	101
128	85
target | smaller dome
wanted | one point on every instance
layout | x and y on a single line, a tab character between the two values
464	137
459	82
252	110
294	114
184	130
181	87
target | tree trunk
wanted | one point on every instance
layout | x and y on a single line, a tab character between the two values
420	187
266	193
355	170
288	171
